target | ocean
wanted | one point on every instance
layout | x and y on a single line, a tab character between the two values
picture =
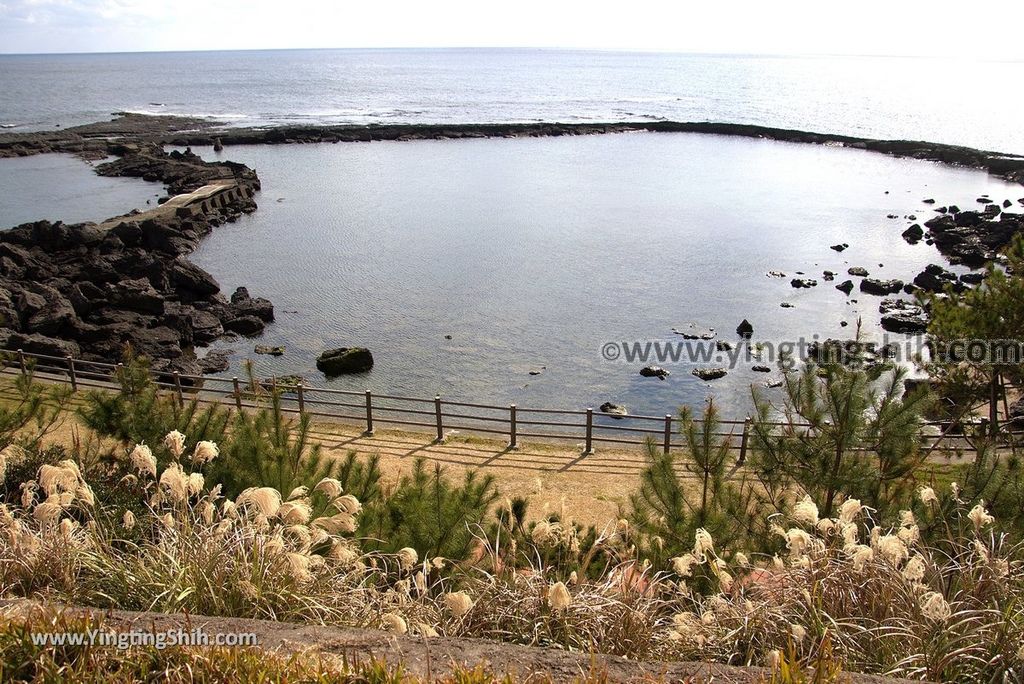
940	100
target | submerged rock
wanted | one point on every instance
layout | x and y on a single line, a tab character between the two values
839	248
693	332
270	351
344	360
803	282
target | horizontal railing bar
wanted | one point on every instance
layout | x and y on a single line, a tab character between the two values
550	423
321	402
477	429
394	421
414	412
561	411
391	397
490	419
612	416
626	428
614	440
464	404
544	435
346	416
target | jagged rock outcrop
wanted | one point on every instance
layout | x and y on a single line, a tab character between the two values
88	290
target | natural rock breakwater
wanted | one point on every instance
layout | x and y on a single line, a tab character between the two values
88	290
91	140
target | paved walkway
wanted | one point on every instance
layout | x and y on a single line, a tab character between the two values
171	206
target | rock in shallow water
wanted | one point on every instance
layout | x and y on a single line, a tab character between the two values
268	350
692	332
345	360
614	410
709	373
215	362
654	372
913	234
902	316
880	287
845	287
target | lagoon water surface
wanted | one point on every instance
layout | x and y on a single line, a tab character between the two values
531	254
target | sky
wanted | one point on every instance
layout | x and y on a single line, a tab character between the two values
969	30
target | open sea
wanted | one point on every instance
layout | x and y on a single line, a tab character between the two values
466	264
953	101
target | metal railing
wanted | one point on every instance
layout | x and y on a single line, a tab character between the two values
368	409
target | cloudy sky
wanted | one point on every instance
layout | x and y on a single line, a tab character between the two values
972	30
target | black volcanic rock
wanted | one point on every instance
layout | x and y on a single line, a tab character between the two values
934	278
90	290
913	234
344	360
901	316
709	373
654	372
245	325
880	287
193	280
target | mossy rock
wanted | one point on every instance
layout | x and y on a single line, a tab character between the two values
345	360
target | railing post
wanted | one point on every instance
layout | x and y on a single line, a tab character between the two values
21	361
993	405
437	414
238	394
667	444
177	388
71	372
743	441
369	413
589	446
512	427
301	394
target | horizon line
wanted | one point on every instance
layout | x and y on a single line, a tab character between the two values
524	48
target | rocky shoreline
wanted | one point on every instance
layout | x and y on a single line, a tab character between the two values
87	291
